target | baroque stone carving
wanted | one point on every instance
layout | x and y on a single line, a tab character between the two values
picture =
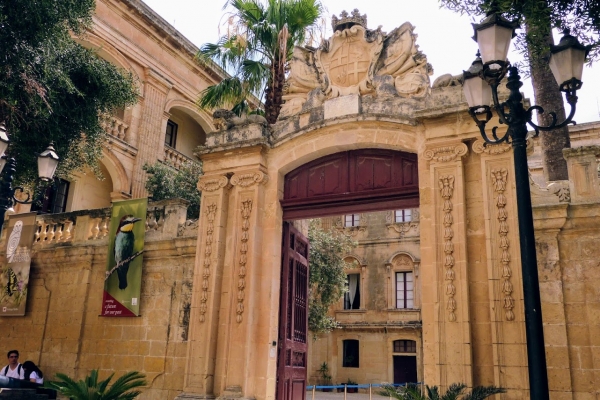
249	178
446	153
211	212
357	60
446	186
499	178
493	149
211	184
246	210
226	119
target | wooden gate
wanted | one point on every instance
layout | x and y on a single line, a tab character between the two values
293	316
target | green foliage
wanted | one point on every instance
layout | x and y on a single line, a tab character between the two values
53	89
255	50
92	389
581	16
327	275
166	182
324	371
455	391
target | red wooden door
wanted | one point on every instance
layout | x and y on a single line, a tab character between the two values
293	316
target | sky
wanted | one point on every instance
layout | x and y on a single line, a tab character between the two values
443	36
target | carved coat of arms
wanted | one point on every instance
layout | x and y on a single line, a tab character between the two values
356	60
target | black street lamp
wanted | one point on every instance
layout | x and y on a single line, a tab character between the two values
47	163
481	81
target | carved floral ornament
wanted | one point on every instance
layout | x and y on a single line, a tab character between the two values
479	146
446	186
357	60
246	179
212	183
446	153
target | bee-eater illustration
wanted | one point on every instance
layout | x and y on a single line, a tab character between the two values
124	241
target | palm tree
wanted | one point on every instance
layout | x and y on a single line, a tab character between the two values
256	50
90	389
414	392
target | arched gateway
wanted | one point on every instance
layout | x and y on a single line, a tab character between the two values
381	137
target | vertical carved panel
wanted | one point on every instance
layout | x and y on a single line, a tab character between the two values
211	211
246	211
499	178
446	186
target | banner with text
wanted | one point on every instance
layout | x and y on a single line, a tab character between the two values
123	280
16	264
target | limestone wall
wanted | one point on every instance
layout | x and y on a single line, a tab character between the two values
62	330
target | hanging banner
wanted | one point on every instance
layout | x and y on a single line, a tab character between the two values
123	280
16	264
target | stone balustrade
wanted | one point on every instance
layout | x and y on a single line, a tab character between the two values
164	219
114	127
175	158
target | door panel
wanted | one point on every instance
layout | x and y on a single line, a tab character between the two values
293	316
405	369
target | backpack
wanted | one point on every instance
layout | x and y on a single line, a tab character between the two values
19	368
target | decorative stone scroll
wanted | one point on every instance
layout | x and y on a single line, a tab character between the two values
446	153
211	212
499	178
446	186
247	179
493	149
212	183
246	211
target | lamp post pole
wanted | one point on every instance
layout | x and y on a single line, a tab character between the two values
480	83
534	328
7	192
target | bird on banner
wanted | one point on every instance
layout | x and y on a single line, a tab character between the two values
124	241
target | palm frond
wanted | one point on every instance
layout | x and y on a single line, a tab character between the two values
433	393
228	91
255	74
122	388
483	392
454	391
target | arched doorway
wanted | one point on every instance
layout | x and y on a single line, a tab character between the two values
349	183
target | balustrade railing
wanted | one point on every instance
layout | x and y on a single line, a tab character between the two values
164	219
114	126
175	158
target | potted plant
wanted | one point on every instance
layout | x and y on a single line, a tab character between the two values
325	376
353	389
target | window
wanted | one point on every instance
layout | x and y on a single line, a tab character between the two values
352	296
171	134
403	215
405	346
54	199
404	290
352	220
350	359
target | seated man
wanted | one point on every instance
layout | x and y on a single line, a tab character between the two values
13	369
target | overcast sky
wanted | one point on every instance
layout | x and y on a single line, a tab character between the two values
445	37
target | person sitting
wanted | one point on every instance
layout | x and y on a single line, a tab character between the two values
33	373
13	369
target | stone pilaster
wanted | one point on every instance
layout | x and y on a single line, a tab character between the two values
206	292
445	291
156	89
582	163
504	282
241	312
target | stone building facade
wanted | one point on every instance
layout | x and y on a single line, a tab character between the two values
210	305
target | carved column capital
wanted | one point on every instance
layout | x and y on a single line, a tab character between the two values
479	146
212	183
445	153
249	178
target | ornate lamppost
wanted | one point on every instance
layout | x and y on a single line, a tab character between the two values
493	35
47	163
